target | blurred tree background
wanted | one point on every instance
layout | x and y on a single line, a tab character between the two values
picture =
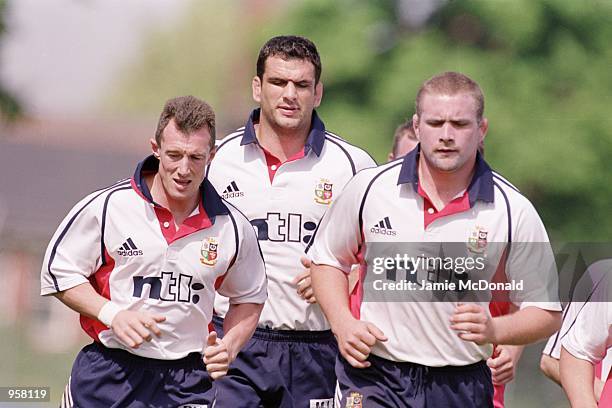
544	67
10	108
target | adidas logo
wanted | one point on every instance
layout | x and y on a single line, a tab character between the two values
129	249
383	227
232	191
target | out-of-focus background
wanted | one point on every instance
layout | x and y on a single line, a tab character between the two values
83	81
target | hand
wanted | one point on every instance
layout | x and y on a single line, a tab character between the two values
502	365
216	356
355	340
135	327
304	284
473	323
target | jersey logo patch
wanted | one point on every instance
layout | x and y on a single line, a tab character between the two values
322	403
383	227
208	251
477	241
354	400
232	191
129	249
323	191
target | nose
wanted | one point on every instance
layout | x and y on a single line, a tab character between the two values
290	91
183	167
447	134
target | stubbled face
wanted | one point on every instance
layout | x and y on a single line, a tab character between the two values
449	131
182	163
287	93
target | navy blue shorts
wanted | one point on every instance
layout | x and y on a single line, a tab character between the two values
103	377
280	368
406	385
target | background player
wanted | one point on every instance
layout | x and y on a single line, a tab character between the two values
431	354
404	140
141	260
283	170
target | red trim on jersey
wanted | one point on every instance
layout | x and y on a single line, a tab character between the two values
605	400
356	295
499	306
272	160
457	205
191	224
219	281
100	280
498	395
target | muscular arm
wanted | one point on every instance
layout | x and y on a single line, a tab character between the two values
131	327
523	327
82	299
577	379
550	367
239	324
355	337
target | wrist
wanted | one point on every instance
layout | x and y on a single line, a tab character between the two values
108	312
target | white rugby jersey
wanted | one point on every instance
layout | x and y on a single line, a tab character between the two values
385	207
284	202
586	288
590	337
127	247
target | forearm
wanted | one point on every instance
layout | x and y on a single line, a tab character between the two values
550	367
83	299
577	378
331	290
526	326
239	324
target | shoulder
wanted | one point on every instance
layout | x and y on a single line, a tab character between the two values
232	139
357	155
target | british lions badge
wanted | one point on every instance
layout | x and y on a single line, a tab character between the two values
209	251
323	191
477	241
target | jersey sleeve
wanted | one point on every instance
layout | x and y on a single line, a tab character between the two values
245	281
531	260
363	160
74	252
338	238
589	337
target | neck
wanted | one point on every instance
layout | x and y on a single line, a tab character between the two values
282	143
180	209
442	187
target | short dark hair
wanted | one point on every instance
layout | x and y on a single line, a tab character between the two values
289	47
190	115
404	130
452	83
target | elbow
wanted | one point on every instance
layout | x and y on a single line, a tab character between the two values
550	368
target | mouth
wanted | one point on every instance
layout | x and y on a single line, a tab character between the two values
182	184
288	110
446	151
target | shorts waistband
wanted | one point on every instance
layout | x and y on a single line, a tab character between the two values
479	365
295	336
123	356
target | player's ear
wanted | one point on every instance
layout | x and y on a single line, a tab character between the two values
416	126
318	94
154	148
213	152
483	127
256	85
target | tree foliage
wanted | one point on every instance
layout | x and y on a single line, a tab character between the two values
543	65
